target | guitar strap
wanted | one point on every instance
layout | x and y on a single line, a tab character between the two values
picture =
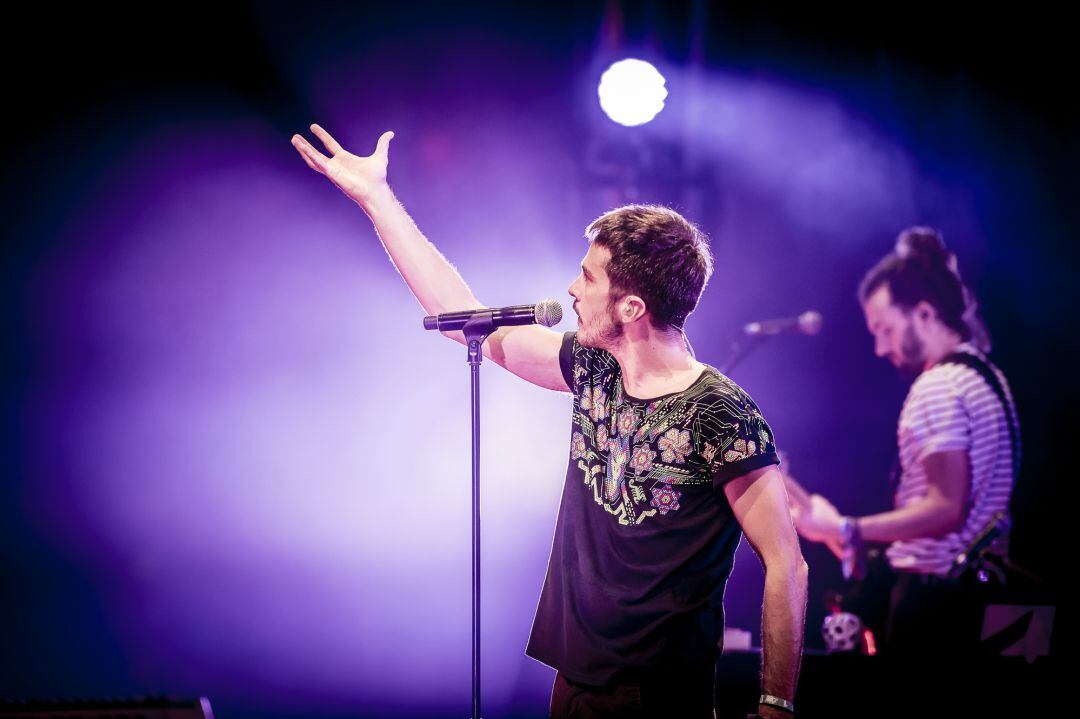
986	371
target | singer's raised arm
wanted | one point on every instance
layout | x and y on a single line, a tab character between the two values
529	351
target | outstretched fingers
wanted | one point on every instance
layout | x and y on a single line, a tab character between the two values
310	164
315	159
330	143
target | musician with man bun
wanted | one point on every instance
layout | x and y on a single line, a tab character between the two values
957	439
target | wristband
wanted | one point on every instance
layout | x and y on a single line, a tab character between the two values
850	534
777	702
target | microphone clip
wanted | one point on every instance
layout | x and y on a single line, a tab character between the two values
476	330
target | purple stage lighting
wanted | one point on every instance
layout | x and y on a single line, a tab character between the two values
632	92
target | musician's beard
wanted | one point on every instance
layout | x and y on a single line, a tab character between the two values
912	354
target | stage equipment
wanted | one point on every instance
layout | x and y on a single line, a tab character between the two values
632	92
477	326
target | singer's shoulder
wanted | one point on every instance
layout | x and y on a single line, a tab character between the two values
726	390
718	381
726	417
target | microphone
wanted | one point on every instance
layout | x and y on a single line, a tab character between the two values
808	323
547	313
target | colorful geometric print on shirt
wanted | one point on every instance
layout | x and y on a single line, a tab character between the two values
637	456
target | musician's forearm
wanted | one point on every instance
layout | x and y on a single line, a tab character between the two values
925	518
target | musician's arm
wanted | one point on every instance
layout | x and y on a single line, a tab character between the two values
799	503
942	510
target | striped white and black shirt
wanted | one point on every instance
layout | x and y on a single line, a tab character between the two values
951	407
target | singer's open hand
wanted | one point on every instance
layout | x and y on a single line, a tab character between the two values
358	177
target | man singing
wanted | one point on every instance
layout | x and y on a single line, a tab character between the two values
958	442
668	459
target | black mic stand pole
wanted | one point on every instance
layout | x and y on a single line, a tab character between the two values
476	330
740	348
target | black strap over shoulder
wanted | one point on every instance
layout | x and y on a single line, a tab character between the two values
986	371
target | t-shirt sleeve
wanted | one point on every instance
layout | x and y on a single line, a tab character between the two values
566	360
735	438
584	367
938	420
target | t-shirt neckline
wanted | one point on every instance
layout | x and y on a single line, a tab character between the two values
637	400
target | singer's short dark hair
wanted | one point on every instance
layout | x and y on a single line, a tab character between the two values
657	255
921	269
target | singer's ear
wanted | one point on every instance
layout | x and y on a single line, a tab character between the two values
633	308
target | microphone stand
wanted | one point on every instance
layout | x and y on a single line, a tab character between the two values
476	330
740	348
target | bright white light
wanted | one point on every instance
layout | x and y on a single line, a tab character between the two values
632	92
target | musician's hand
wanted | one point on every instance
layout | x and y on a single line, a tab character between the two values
795	508
834	545
358	177
819	523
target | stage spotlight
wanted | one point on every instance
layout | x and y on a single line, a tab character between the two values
632	92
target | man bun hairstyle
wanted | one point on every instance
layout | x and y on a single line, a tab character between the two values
921	269
657	255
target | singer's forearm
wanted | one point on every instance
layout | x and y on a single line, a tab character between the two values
529	351
783	616
434	282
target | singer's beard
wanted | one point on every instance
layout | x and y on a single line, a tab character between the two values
605	333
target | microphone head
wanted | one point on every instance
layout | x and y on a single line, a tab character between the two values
810	322
548	313
753	329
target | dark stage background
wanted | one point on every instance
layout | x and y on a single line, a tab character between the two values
233	461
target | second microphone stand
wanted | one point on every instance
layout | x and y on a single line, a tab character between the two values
740	348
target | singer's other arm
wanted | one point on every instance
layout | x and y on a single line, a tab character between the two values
529	351
760	504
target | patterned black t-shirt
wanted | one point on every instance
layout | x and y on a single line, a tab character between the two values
645	537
